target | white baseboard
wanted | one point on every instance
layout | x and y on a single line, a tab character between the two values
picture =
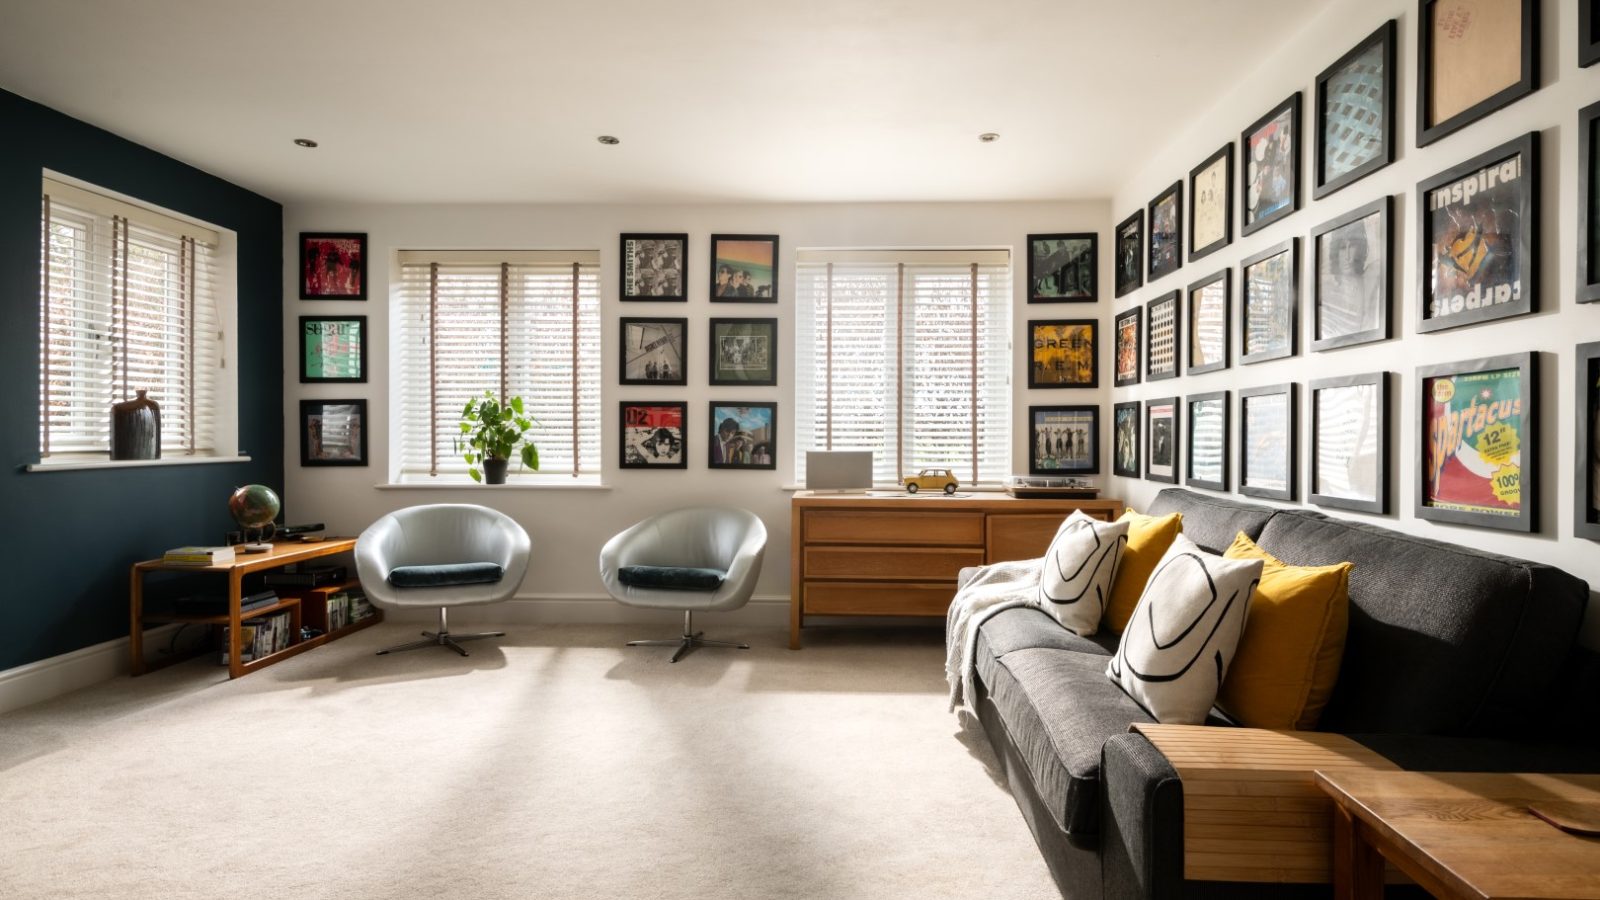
47	678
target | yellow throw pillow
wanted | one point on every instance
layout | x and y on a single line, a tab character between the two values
1288	659
1148	540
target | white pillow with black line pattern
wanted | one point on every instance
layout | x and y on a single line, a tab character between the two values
1079	568
1183	634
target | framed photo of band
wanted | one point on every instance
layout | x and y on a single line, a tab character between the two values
1208	323
1064	440
1268	426
1210	192
744	434
1163	318
1355	113
744	351
1587	482
653	351
1270	188
1125	426
1130	253
1208	440
1349	442
1166	232
1473	57
744	268
1126	328
1479	436
1161	440
1351	277
1269	303
653	434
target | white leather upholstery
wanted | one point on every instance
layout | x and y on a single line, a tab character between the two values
732	540
435	535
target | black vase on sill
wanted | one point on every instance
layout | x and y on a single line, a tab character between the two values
494	470
136	428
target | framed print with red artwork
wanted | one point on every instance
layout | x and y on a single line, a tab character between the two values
333	266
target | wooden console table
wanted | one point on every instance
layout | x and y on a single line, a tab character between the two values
281	554
893	554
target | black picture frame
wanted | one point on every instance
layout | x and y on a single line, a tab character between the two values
1430	380
1268	305
745	281
1204	199
748	451
1129	264
1588	33
348	448
730	358
1586	480
1588	203
1163	411
1527	82
1355	307
1214	319
1218	400
642	261
1345	106
1378	421
1075	257
1279	446
653	434
1126	330
1082	421
1435	313
313	327
1280	156
645	358
333	265
1056	361
1165	232
1127	420
1165	312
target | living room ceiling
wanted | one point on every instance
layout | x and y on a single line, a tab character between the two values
713	100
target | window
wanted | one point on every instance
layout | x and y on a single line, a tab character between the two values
515	323
127	303
908	354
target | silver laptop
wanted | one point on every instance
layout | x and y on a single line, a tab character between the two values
839	470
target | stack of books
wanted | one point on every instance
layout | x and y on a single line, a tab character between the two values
347	608
198	556
259	637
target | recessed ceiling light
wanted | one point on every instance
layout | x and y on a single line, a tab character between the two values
989	137
607	139
304	142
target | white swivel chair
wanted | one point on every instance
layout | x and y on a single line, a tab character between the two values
705	558
444	555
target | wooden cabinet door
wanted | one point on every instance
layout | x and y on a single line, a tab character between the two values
1024	536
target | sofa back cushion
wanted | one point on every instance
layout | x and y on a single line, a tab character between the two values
1212	522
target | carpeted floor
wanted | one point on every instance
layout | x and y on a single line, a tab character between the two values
552	763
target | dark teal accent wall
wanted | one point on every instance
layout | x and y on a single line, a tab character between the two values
68	538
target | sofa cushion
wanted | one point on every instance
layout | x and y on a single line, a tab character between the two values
1075	580
1148	540
671	578
1212	522
1023	628
447	575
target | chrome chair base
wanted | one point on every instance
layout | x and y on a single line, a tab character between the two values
442	638
690	640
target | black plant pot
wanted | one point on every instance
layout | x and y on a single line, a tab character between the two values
494	470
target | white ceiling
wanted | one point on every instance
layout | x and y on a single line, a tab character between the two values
715	100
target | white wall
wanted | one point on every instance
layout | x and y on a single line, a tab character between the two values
568	526
1558	325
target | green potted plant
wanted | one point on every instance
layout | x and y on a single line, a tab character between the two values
490	432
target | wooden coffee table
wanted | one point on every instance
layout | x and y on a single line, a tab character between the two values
1459	834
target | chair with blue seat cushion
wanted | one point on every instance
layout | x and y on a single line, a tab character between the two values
443	555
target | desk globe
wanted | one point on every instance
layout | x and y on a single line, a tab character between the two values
255	507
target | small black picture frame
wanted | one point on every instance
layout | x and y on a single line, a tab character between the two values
1063	353
1269	304
1442	439
1165	233
1355	139
1586	483
1351	291
333	265
1341	434
1126	423
743	351
1268	464
333	349
1129	238
333	432
1211	203
1588	33
1207	335
1063	440
1588	203
1468	58
744	268
1208	440
1163	326
1163	429
655	351
743	434
1453	249
1125	332
654	266
653	434
1064	267
1270	149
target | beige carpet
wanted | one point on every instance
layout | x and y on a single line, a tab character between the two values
554	763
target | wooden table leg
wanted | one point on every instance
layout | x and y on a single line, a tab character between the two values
136	622
1357	865
796	579
235	626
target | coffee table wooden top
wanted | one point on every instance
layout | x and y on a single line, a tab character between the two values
1470	833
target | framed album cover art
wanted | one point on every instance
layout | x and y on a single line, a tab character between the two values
1208	323
333	265
1586	523
744	268
1208	440
333	349
653	267
1268	425
653	351
1270	188
1125	426
1126	327
1166	231
1355	113
1351	274
1589	203
1064	440
1163	319
1349	442
744	351
1161	440
1269	302
1473	57
1065	354
333	432
1063	268
1479	436
653	434
1130	253
744	434
1210	192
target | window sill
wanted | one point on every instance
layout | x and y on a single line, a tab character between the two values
71	465
509	486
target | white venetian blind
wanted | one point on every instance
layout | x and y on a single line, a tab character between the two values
127	303
906	353
515	323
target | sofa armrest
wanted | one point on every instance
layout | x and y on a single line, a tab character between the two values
1141	820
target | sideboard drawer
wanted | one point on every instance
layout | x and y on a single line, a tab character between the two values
1021	537
873	527
890	563
867	599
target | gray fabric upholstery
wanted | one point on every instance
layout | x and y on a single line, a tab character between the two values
705	537
441	534
1475	639
1024	627
1212	522
1141	844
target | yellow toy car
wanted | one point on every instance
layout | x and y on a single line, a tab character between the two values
932	480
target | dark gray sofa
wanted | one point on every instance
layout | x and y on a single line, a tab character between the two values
1456	659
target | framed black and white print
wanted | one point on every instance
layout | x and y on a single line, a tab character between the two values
1270	188
1125	426
1268	426
1064	440
1065	353
653	267
744	268
744	351
653	351
1207	333
1355	113
1166	231
1161	440
1163	319
1126	330
1210	192
653	434
1063	268
1586	522
1588	32
1478	230
1130	253
1589	202
333	349
1269	303
333	432
1473	57
1351	275
1208	440
1478	431
1349	442
744	434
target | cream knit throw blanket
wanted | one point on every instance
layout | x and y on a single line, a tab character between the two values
990	590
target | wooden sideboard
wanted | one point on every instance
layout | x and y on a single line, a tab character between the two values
893	554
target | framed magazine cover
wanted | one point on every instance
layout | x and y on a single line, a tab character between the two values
1586	521
1125	427
1210	203
1350	442
1126	329
1207	416
1479	439
1269	304
1270	188
1161	440
1268	426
